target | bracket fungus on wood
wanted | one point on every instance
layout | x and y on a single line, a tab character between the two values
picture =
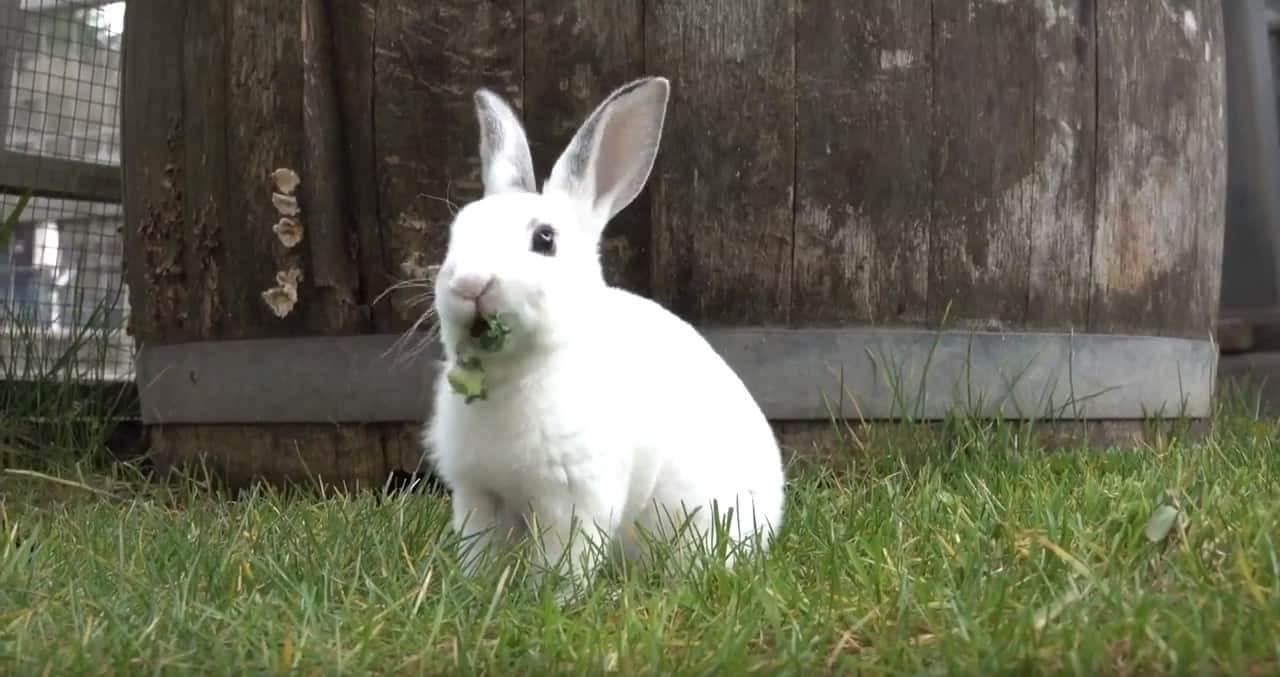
286	205
284	296
286	180
289	231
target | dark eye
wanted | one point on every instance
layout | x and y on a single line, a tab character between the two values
544	240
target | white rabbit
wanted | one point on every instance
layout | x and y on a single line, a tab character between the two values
602	409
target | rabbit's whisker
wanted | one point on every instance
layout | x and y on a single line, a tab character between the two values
414	283
402	342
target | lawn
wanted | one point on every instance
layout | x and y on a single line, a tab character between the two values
970	556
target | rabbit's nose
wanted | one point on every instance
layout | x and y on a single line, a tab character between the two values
471	286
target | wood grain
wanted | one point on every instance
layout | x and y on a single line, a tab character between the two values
265	133
984	163
211	258
237	457
1062	207
1208	148
724	183
331	237
152	155
429	59
1156	70
863	146
576	52
354	62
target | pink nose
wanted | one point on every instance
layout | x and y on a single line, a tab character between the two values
471	287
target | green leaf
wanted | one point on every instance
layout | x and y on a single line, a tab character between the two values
11	221
1161	523
495	334
467	379
467	376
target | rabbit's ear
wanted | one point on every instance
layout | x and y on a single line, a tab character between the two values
505	163
609	159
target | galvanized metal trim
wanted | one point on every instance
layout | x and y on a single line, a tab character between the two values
795	374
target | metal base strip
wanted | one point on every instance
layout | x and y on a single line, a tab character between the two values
795	374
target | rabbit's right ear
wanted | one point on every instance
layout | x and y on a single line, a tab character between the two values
505	163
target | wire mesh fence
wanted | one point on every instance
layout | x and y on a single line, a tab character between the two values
61	259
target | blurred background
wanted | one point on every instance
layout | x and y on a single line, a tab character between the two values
61	259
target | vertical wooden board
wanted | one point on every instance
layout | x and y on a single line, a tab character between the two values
722	190
576	52
265	133
863	145
205	198
986	79
152	127
1157	75
330	233
332	266
1061	211
429	60
1210	149
354	56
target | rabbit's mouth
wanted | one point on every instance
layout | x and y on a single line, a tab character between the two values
478	326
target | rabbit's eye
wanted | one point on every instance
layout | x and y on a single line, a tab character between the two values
544	240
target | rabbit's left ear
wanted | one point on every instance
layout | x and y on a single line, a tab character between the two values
609	159
505	163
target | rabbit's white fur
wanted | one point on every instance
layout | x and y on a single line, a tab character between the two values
603	409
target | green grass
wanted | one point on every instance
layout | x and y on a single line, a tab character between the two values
918	558
56	406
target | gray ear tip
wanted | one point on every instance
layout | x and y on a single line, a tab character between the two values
660	88
655	82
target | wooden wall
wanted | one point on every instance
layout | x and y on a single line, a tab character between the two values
1054	164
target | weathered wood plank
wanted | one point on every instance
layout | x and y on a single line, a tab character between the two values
1209	148
152	145
984	166
576	52
202	214
330	232
863	79
265	133
1061	209
1155	184
208	256
354	55
430	58
239	456
402	448
723	185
